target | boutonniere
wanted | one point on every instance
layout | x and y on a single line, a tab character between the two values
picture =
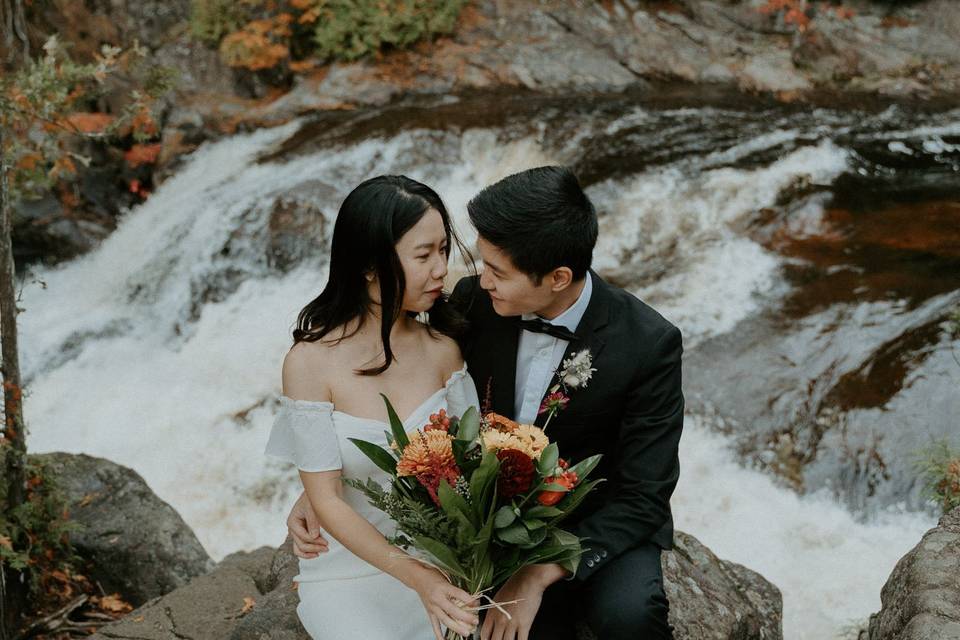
573	373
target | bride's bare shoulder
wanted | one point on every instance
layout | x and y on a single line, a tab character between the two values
307	370
447	352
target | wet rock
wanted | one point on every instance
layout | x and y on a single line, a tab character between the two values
710	599
41	232
134	543
772	71
921	599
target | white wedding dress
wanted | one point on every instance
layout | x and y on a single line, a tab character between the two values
341	596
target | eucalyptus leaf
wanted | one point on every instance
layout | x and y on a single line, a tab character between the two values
548	459
504	517
516	533
541	511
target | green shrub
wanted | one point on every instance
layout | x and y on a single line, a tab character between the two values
211	20
940	467
257	34
34	536
351	29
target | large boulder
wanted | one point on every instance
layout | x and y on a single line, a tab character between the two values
134	542
250	596
921	599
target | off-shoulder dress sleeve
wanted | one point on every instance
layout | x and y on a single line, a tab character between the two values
303	434
461	393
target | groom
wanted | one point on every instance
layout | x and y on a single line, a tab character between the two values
536	304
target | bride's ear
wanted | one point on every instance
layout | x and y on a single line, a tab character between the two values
371	276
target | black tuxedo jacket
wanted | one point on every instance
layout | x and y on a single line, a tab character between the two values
631	411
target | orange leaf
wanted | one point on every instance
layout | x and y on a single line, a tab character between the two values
6	542
299	66
29	161
248	603
142	154
114	604
90	122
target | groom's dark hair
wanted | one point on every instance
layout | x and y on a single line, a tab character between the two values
541	219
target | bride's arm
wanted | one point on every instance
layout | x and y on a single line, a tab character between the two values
325	494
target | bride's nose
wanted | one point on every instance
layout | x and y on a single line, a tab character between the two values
439	271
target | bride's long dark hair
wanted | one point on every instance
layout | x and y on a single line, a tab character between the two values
371	220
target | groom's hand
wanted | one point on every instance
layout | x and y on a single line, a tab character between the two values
527	586
304	528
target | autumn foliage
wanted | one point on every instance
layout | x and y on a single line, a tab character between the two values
799	14
298	34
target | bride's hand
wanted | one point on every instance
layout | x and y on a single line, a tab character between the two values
441	598
304	528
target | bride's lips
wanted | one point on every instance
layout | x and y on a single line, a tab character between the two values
435	292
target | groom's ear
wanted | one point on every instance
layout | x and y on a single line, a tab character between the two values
560	278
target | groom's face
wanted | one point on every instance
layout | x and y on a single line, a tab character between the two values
512	291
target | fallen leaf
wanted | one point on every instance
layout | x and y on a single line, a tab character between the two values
248	603
114	604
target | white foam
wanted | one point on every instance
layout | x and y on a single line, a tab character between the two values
829	566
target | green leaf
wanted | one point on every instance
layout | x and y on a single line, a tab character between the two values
533	524
483	482
378	455
540	511
457	508
514	534
396	426
548	459
554	486
572	500
460	449
442	554
505	517
469	425
584	467
536	537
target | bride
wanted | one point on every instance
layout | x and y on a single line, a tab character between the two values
359	338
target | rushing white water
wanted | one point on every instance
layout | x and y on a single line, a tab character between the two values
126	360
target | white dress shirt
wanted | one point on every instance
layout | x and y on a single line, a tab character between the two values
539	355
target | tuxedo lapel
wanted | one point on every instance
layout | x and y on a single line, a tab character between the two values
595	317
504	367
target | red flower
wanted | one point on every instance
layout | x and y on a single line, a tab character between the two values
431	481
567	479
554	402
516	473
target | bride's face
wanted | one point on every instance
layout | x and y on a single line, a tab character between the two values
423	254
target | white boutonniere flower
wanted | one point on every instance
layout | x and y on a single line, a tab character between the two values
577	371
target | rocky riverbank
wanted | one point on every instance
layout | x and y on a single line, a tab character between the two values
137	545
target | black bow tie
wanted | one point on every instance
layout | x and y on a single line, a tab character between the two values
537	325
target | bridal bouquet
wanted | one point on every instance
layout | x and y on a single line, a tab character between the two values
479	497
